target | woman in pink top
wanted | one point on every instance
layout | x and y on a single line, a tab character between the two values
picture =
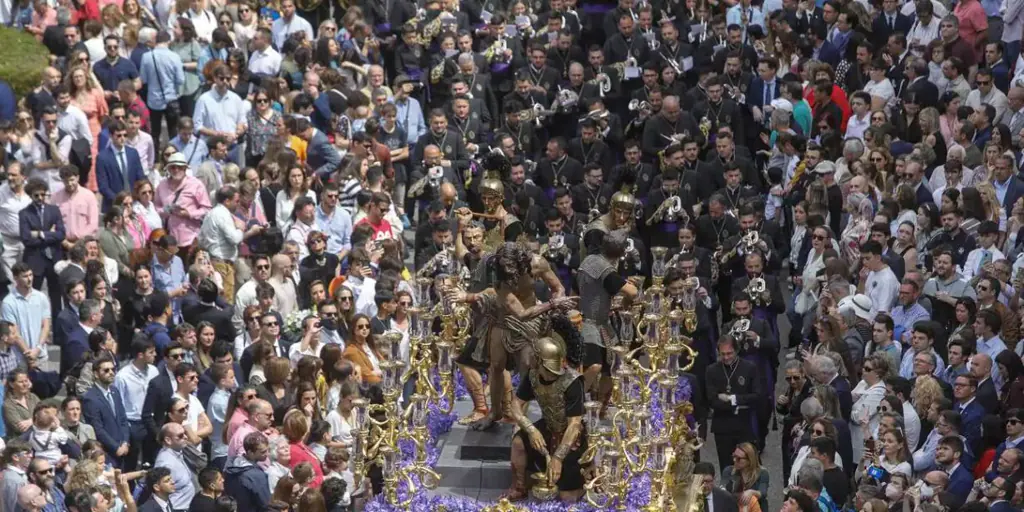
296	427
134	225
89	97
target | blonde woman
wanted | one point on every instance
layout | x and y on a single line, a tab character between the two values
113	21
746	479
931	135
89	97
927	391
905	244
993	208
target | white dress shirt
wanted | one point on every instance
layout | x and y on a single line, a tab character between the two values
266	62
282	28
219	235
856	127
972	266
73	121
10	205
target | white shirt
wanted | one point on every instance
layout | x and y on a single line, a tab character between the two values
219	235
883	288
10	205
73	121
204	22
266	62
285	205
295	352
297	233
865	408
912	423
855	127
995	97
921	34
882	89
972	266
282	28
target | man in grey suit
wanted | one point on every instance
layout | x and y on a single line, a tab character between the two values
321	154
1015	117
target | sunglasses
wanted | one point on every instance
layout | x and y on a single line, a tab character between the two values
793	379
984	82
363	326
329	315
269	324
262	267
1013	421
982	288
181	410
262	101
405	303
249	396
819	237
48	471
817	432
345	299
254	319
868	369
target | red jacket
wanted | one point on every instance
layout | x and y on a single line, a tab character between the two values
301	453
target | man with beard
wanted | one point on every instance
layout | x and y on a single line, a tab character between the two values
523	134
718	111
686	289
756	344
633	174
41	472
516	318
732	390
568	111
671	49
104	410
590	198
715	226
588	148
448	141
543	78
429	174
517	184
557	168
735	192
469	125
441	241
560	248
669	125
946	287
599	282
953	236
726	154
744	57
666	208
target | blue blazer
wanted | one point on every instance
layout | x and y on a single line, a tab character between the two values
755	93
322	156
108	173
67	321
1003	506
111	425
829	53
970	421
51	224
75	347
960	484
1014	191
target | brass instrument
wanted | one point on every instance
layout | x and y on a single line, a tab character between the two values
565	99
496	51
705	127
307	5
556	250
746	244
642	108
596	115
670	210
536	114
758	291
603	83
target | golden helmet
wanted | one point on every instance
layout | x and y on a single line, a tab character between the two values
492	186
551	355
623	199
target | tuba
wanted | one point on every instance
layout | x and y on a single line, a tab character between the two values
565	99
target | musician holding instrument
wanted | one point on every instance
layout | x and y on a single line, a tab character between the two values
671	125
668	208
447	140
625	46
672	51
561	248
609	124
518	125
476	109
756	343
428	176
591	197
718	111
543	78
467	120
557	168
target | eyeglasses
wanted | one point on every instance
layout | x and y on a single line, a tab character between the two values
878	159
223	78
793	379
270	324
249	396
868	369
739	457
363	326
1013	421
982	288
329	315
262	101
181	410
405	303
345	299
114	47
819	237
262	267
254	319
984	82
47	471
330	196
192	377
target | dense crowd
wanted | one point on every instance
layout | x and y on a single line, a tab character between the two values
218	208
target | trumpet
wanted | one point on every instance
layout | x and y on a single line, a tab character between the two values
603	83
642	108
654	44
565	99
757	289
738	332
595	115
536	114
671	210
745	245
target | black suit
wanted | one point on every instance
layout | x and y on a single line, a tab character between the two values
988	397
732	424
154	410
220	318
842	387
722	501
246	361
881	28
925	92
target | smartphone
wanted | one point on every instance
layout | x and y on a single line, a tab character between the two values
869	444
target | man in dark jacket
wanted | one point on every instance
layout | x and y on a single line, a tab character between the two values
244	480
161	485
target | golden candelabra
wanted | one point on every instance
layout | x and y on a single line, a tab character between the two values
630	445
379	428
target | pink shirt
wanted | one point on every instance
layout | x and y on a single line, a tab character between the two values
46	20
81	212
238	418
190	195
973	21
235	444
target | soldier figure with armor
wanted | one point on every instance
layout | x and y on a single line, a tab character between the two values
620	216
554	443
598	283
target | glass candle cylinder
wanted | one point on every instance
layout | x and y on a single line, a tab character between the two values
592	414
419	410
613	464
444	358
359	410
659	454
642	420
389	462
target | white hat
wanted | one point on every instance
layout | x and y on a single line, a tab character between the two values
177	159
782	104
860	304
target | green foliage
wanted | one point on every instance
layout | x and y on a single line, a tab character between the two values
22	60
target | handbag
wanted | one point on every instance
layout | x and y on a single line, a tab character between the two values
270	241
195	459
173	107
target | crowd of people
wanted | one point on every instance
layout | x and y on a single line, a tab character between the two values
218	208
